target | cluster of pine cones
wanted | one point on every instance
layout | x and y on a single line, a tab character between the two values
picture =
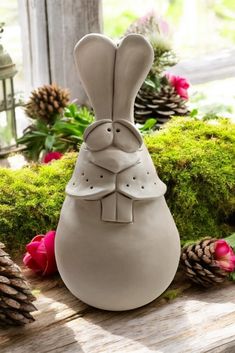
47	102
198	263
15	295
159	104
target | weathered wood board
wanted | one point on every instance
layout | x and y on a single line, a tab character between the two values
50	30
210	67
198	321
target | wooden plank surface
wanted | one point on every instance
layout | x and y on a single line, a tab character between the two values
34	43
69	21
198	321
214	66
50	30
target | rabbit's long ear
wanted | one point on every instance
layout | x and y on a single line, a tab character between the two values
95	59
134	58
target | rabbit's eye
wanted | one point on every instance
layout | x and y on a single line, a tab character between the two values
126	137
99	136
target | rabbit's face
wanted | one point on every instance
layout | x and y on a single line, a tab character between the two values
112	75
113	145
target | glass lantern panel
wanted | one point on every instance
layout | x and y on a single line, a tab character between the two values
9	93
2	94
7	138
6	94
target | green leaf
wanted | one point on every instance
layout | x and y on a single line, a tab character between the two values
31	136
49	142
193	113
149	124
232	276
66	128
67	113
41	126
81	120
150	83
231	241
73	109
79	138
38	133
61	146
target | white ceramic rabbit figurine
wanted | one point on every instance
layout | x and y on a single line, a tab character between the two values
117	246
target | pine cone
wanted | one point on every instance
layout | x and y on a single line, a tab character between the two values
15	295
161	105
47	102
199	265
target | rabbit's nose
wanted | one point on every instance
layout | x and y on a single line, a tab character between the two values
114	160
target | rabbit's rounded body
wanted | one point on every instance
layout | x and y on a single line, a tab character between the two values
117	266
117	246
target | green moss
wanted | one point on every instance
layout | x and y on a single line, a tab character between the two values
171	294
30	200
195	159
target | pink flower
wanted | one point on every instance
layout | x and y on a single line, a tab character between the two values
40	255
51	156
224	255
163	27
180	83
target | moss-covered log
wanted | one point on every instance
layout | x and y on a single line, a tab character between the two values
195	159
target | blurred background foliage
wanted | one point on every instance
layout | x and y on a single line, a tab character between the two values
119	15
198	27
